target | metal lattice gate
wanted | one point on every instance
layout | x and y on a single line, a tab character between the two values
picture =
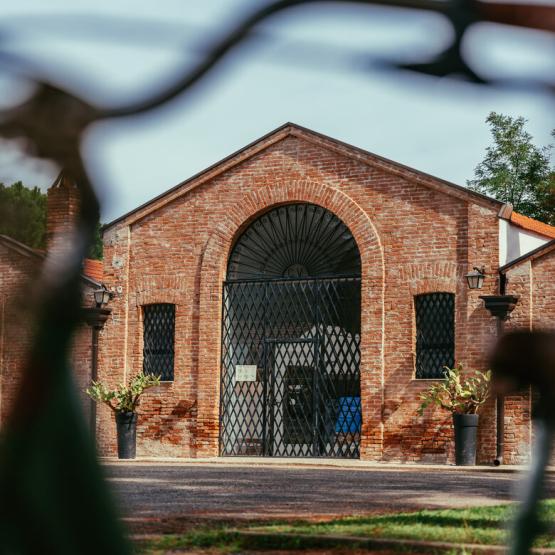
290	383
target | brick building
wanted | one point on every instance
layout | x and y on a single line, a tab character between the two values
299	295
296	298
19	266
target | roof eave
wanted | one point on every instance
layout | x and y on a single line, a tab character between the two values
21	248
199	175
25	250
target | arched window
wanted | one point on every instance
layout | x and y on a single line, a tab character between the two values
435	334
158	340
295	241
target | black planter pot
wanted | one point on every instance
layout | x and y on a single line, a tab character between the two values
126	423
466	427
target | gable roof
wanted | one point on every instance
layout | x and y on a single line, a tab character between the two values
20	248
542	250
294	130
88	276
532	225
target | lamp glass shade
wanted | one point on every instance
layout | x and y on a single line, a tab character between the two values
101	297
475	279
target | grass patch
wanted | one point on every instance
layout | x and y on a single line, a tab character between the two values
481	525
221	540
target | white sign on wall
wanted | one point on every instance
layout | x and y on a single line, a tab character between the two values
245	373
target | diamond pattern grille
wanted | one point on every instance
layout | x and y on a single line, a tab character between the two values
158	340
435	334
303	337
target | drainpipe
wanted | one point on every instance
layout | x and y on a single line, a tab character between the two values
500	401
500	306
96	318
500	409
94	376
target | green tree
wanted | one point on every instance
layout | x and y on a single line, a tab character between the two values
23	217
97	247
23	214
515	170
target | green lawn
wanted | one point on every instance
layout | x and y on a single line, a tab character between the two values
482	525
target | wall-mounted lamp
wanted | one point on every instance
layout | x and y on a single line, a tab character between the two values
475	279
102	296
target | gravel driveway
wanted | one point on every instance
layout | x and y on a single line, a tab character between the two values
165	491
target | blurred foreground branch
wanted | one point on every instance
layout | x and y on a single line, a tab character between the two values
526	360
53	499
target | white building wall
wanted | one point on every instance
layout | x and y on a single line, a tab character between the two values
515	241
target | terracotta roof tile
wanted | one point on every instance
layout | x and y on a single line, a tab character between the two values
93	269
532	225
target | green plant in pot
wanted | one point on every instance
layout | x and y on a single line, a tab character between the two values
124	400
462	394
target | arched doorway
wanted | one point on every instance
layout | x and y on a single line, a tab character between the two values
290	381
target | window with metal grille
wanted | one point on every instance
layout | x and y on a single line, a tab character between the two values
435	334
158	340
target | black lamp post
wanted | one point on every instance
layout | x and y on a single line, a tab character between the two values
499	306
96	317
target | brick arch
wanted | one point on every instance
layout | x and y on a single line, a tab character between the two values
157	296
433	285
431	277
213	268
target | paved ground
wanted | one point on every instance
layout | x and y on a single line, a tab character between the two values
154	492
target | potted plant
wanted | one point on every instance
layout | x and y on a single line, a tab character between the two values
123	400
462	397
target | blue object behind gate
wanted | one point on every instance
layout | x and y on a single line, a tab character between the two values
349	415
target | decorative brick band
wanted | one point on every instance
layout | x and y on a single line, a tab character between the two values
159	289
429	269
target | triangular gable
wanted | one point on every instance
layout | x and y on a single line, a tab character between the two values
542	250
294	130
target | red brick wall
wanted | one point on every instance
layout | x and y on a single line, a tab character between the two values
543	297
412	239
543	292
81	358
17	271
19	267
518	423
533	282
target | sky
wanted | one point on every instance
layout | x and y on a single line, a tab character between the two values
315	66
